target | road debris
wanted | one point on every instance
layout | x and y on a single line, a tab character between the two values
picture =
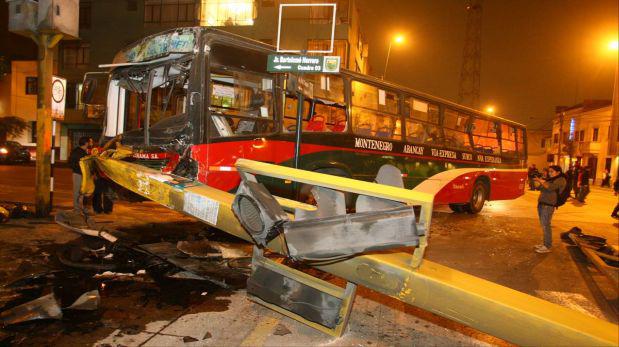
45	307
88	301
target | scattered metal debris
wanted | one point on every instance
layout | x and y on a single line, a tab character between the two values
88	301
45	307
201	249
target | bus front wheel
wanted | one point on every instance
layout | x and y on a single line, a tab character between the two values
478	198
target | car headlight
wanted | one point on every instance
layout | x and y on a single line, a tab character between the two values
3	150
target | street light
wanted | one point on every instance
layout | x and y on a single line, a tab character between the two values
613	45
490	110
398	39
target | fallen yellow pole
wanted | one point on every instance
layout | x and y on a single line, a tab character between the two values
486	306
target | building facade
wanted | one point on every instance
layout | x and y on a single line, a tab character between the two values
585	134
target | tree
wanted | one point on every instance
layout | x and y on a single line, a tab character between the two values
11	126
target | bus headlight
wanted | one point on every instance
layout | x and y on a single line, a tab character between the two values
3	150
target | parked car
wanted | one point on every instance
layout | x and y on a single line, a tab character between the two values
13	152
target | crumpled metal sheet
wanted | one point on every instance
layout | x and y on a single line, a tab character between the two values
45	307
88	301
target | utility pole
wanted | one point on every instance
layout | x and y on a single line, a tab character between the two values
470	72
46	22
45	43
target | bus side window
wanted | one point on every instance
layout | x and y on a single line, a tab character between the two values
485	136
454	128
375	112
508	140
290	113
326	118
241	104
520	142
421	121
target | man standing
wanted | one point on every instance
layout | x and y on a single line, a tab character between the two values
532	173
550	189
74	161
583	184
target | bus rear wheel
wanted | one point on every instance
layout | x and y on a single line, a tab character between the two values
478	198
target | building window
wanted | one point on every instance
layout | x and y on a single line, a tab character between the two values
227	12
596	132
565	138
340	47
85	14
75	54
543	145
169	11
31	86
555	138
582	135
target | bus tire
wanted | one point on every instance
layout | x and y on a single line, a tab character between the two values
479	195
458	208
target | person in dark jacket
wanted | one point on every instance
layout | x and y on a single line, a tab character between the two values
583	184
74	161
615	213
546	203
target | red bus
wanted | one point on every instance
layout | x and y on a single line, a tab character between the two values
191	101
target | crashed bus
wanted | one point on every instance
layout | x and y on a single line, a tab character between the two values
192	101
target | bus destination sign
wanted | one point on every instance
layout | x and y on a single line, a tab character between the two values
303	63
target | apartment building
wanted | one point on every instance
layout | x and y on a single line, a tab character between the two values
584	133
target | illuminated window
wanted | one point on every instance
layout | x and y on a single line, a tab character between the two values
227	12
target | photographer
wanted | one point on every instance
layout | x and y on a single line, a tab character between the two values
550	189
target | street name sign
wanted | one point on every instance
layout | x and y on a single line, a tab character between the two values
303	63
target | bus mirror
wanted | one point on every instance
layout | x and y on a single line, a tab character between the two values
94	87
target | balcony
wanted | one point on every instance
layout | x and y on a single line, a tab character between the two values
589	147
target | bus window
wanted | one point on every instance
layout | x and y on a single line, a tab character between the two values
241	103
290	113
508	140
329	109
454	128
485	137
520	141
375	112
421	121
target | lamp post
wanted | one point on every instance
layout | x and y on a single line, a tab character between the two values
397	39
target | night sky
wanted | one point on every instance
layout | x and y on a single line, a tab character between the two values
536	54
